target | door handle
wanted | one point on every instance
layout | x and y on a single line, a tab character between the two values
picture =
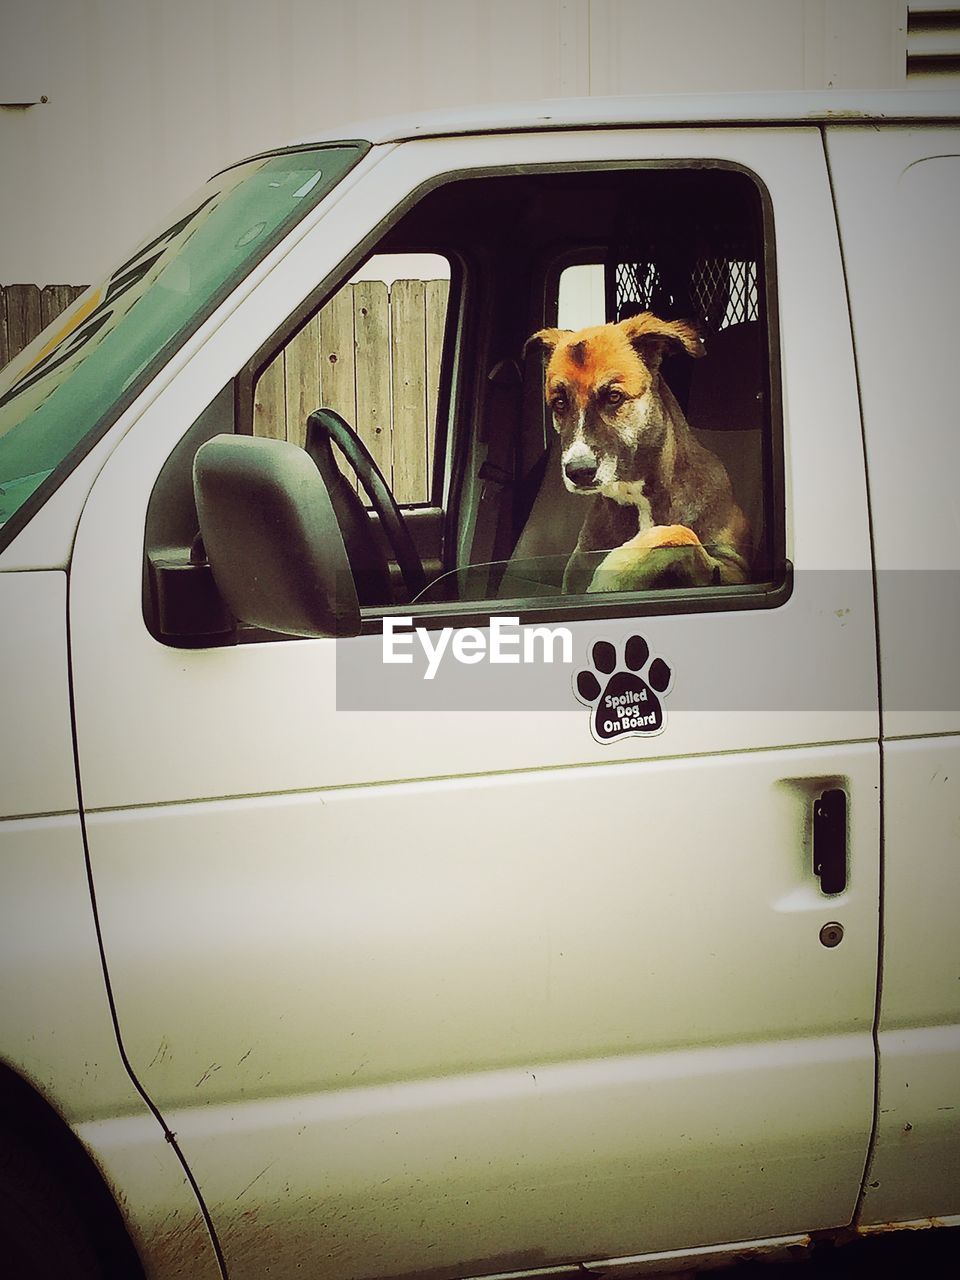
830	840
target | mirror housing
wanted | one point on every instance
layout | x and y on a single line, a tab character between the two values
272	538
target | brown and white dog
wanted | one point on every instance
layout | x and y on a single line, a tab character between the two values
663	505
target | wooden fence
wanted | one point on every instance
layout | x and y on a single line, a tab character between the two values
372	353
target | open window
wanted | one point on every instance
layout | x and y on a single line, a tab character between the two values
372	354
422	356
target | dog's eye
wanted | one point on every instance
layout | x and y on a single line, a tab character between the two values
614	397
558	404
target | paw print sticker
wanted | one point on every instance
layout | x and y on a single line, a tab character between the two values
627	703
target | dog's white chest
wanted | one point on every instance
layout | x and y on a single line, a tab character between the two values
630	493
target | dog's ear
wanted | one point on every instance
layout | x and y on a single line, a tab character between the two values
653	338
545	341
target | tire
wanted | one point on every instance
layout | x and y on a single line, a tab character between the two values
43	1235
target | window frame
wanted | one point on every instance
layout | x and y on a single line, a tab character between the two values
460	389
245	383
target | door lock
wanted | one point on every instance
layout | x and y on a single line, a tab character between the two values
831	935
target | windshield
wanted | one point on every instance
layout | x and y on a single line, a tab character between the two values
66	388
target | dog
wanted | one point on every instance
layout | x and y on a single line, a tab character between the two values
663	510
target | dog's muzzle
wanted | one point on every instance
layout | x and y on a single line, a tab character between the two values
580	468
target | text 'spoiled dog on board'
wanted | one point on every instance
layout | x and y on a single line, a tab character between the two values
663	506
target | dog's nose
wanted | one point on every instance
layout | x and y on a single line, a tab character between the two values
581	473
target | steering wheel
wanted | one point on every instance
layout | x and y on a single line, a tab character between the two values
325	425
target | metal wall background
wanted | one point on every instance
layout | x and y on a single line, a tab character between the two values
146	98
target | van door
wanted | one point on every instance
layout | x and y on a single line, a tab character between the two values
446	981
898	192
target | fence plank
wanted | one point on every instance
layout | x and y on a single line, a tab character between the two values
302	373
408	368
55	298
437	296
270	404
338	365
4	345
371	330
338	377
22	308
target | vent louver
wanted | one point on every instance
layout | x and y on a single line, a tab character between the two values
933	41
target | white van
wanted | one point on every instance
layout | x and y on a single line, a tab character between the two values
356	920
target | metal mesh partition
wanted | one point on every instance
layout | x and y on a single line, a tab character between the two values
687	245
719	291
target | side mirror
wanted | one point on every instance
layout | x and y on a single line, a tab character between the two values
272	538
